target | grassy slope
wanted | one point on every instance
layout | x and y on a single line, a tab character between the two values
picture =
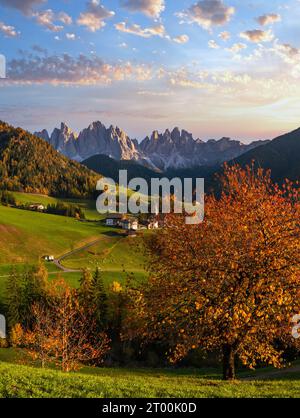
24	381
116	255
88	206
25	236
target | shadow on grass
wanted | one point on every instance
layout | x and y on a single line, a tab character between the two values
19	356
269	374
114	234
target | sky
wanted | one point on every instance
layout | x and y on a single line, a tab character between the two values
213	67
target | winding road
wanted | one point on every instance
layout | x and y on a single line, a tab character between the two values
59	260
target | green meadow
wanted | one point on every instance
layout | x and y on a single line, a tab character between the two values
26	236
116	254
17	380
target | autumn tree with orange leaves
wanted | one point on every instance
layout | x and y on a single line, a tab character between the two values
63	331
231	283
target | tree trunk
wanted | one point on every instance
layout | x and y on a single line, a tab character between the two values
228	363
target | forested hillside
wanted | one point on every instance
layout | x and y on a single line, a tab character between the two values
281	156
29	164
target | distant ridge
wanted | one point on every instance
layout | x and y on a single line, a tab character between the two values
281	156
108	167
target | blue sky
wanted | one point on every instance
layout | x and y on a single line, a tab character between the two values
213	67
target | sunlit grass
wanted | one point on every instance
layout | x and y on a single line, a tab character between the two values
27	381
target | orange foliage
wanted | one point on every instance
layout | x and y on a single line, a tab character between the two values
64	332
232	282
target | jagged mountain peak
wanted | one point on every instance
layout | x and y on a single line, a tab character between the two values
225	139
68	132
178	149
154	136
95	139
96	126
64	126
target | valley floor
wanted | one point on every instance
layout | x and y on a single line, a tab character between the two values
27	236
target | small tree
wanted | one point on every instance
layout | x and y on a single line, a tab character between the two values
85	291
16	335
232	282
39	341
63	331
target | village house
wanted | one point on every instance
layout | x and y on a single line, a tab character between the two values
114	219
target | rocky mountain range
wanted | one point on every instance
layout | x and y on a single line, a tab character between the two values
178	149
160	151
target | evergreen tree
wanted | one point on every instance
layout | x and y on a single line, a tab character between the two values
14	299
100	299
35	282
